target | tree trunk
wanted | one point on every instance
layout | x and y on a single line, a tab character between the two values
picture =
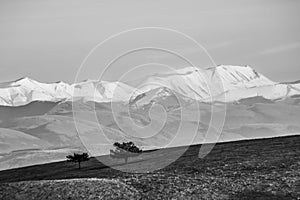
79	167
126	159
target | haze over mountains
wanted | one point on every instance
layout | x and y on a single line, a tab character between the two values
37	119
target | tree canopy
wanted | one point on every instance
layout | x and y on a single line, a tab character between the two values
78	158
125	150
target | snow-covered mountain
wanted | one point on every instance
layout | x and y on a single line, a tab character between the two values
236	82
26	90
224	83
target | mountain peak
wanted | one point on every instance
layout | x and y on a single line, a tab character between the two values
229	66
23	79
195	83
292	82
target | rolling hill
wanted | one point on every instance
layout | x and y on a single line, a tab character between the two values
40	123
251	169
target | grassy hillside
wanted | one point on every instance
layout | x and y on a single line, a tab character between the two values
253	169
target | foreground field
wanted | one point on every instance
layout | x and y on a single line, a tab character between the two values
254	169
69	189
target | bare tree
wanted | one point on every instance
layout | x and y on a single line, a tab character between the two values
125	150
78	158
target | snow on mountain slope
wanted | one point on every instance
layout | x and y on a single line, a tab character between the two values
271	92
192	80
25	90
163	96
241	77
235	82
102	91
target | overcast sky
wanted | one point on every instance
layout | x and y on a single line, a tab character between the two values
48	40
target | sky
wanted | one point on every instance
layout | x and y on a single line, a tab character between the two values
48	40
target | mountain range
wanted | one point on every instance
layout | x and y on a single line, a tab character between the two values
43	122
235	82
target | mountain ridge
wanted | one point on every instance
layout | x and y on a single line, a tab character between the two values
237	82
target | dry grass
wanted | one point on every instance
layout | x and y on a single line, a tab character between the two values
257	169
68	189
